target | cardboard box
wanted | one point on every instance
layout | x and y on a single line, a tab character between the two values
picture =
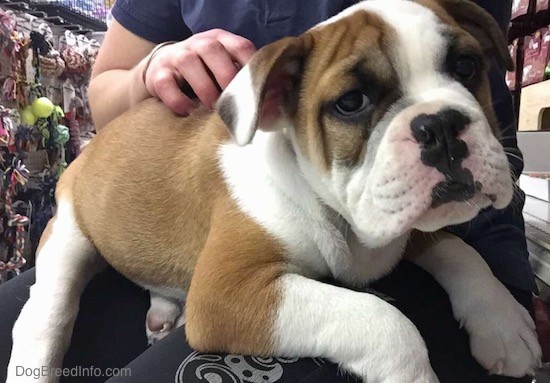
534	110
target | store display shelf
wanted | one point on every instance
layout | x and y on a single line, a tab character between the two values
65	14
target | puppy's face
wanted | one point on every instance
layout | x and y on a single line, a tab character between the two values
389	111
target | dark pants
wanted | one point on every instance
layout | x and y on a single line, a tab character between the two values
110	333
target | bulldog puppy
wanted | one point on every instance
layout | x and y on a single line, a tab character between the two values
325	153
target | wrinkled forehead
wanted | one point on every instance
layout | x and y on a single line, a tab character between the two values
415	36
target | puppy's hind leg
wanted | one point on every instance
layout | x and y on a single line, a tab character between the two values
66	261
164	315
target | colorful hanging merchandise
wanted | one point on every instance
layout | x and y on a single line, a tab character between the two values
79	54
14	225
44	121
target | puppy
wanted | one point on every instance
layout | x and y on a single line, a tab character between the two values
327	150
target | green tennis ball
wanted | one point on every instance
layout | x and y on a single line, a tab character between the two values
27	116
59	111
42	107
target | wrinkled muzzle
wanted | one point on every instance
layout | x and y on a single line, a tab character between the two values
437	164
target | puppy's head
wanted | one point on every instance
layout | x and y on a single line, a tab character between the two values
389	111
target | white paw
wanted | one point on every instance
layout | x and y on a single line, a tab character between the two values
163	316
415	369
502	333
423	375
400	356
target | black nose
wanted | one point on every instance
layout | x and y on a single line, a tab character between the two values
441	148
437	135
424	128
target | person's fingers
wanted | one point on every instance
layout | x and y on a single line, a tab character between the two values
192	70
239	48
217	59
206	63
167	90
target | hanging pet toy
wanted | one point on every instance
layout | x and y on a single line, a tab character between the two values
19	175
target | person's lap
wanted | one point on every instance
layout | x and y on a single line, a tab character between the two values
110	333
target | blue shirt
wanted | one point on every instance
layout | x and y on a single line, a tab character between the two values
261	21
497	235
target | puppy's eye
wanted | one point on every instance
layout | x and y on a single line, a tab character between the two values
465	67
351	103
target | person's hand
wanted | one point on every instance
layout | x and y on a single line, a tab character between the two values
205	62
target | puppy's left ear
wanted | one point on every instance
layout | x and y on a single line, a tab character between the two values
265	89
481	25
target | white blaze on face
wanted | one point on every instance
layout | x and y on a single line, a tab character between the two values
421	46
391	192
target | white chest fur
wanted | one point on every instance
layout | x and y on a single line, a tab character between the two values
267	183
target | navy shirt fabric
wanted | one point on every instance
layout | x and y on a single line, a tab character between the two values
261	21
497	235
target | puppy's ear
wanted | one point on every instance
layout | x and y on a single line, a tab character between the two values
265	89
481	25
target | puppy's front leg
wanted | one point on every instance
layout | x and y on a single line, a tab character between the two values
359	331
244	299
66	262
502	333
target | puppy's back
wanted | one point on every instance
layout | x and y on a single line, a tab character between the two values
144	187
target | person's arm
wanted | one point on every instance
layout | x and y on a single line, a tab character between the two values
116	83
205	62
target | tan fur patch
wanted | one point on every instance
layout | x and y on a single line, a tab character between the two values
149	194
63	191
235	277
334	69
144	192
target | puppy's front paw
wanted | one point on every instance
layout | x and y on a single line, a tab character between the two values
398	356
502	334
426	375
418	370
